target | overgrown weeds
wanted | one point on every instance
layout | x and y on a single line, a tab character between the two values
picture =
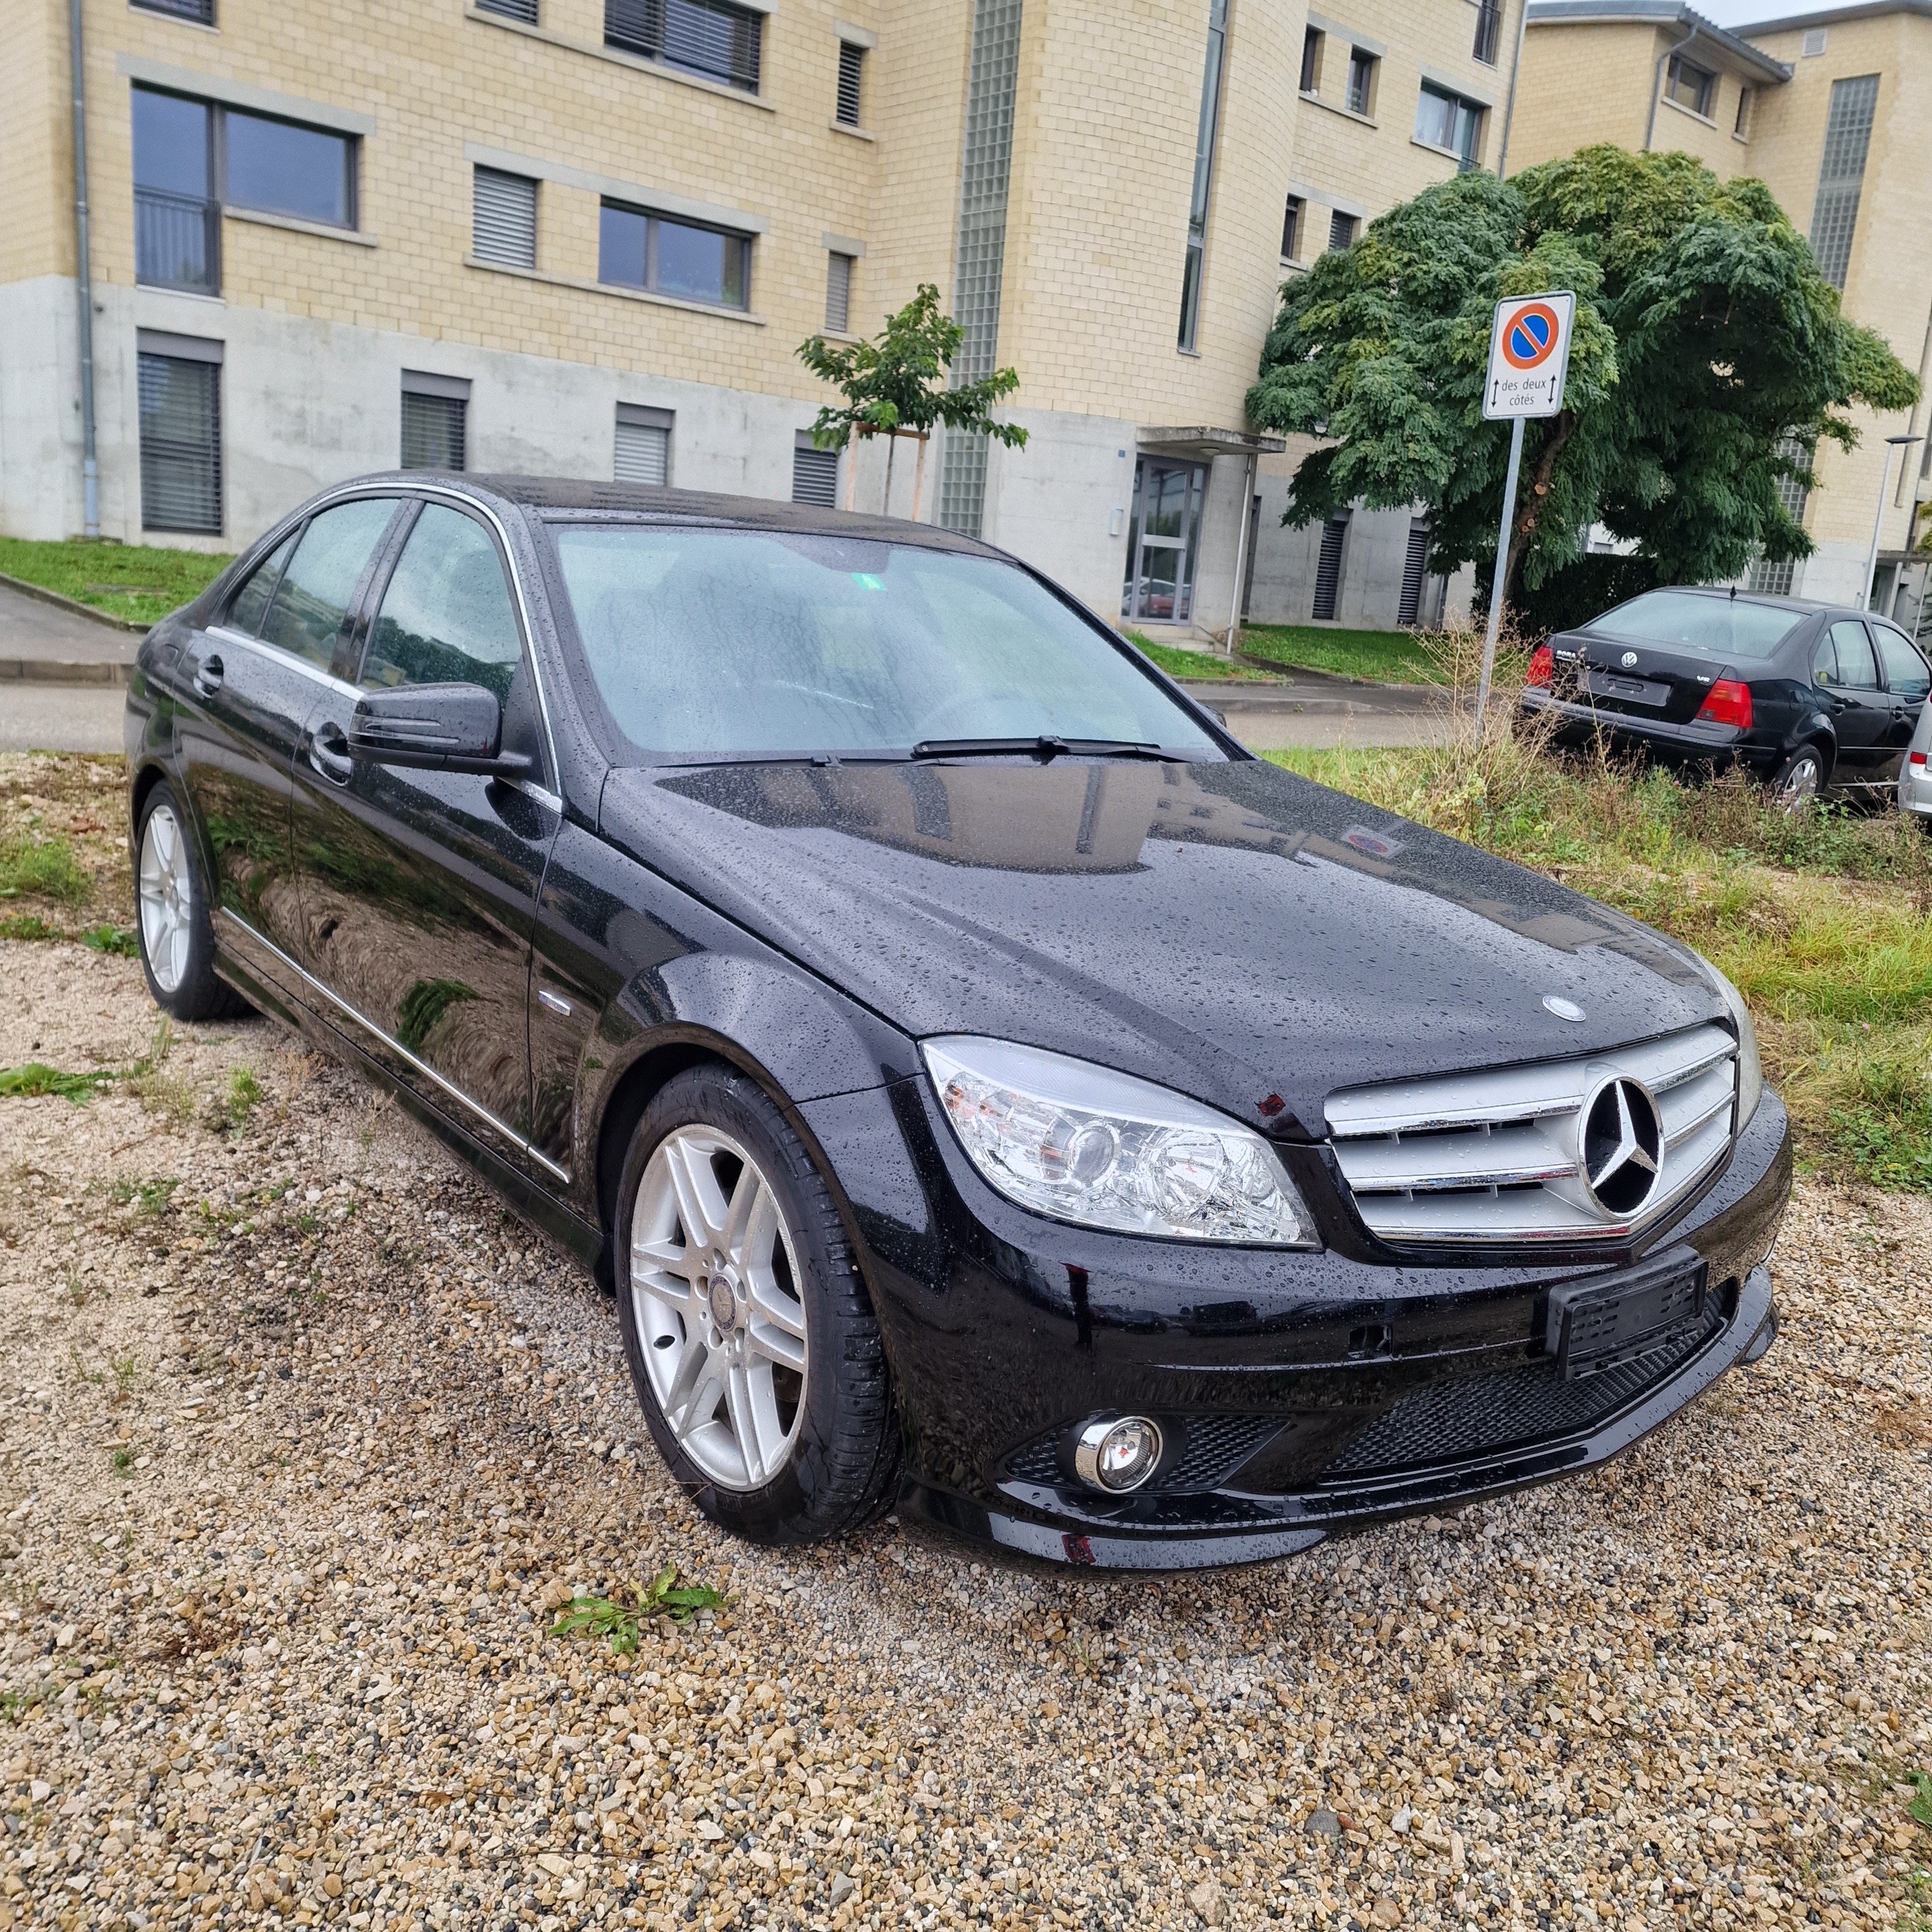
1822	916
43	868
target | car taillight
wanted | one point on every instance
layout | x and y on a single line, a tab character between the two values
1729	704
1542	667
1918	757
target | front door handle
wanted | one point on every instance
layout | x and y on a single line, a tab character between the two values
328	753
207	675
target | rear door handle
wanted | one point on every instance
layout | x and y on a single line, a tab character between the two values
208	674
328	753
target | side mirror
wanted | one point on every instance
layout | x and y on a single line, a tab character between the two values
442	728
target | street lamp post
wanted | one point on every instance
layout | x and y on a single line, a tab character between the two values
1884	477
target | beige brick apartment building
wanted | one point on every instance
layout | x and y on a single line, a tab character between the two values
587	237
1830	111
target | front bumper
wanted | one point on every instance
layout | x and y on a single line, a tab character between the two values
1302	1393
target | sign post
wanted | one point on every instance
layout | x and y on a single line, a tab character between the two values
1529	357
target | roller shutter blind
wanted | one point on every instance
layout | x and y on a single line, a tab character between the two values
851	74
1414	565
839	294
1328	566
643	445
815	476
181	442
503	225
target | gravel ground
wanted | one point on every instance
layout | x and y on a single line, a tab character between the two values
302	1438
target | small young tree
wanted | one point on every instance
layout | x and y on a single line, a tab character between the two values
1709	356
895	386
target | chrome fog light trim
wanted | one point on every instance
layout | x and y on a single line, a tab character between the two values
1117	1453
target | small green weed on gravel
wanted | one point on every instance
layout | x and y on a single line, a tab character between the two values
620	1617
243	1096
26	925
43	868
118	939
36	1079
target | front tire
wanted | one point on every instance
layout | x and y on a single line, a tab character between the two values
1800	780
751	1343
171	917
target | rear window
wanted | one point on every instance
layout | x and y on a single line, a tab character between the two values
1714	627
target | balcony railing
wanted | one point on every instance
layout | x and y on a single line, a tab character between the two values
177	241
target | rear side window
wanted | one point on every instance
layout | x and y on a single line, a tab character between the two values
1845	658
1717	627
245	613
1905	673
446	616
319	586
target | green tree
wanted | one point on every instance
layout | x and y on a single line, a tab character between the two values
895	386
1709	357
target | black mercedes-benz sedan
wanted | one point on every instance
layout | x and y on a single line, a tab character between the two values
989	1091
1806	697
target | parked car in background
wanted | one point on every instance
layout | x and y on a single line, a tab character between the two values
1808	698
990	1091
1914	774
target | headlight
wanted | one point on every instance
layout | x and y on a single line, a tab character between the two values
1750	1068
1103	1150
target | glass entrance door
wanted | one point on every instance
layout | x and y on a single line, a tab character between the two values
1162	539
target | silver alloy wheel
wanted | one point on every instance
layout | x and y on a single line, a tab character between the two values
165	889
714	1289
1801	784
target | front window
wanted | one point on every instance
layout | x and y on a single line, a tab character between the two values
1694	88
1716	627
280	167
641	251
1195	265
1362	81
708	645
1446	120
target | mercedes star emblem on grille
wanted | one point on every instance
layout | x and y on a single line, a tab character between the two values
1629	660
1622	1149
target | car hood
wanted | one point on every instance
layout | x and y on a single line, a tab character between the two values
1225	929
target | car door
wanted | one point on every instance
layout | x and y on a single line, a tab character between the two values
1845	671
249	684
418	888
1907	682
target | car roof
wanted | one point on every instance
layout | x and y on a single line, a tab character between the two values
573	496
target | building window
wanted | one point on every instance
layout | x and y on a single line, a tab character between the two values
1343	228
1741	127
1446	120
643	445
1163	540
1488	30
436	426
1291	227
1311	59
638	250
200	11
851	76
1362	66
980	252
1774	580
837	294
503	218
1834	214
1694	88
179	379
191	157
815	473
525	10
1203	173
710	37
1328	567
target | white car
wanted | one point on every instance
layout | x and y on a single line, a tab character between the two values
1914	774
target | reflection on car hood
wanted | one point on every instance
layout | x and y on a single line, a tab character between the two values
1229	930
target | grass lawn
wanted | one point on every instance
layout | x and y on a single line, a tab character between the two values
1195	665
1383	657
129	579
1823	920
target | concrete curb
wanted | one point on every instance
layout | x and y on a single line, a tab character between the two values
73	603
63	670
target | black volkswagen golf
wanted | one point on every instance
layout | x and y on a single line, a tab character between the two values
990	1092
1804	696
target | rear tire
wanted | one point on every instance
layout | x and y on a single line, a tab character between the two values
171	917
751	1343
1800	780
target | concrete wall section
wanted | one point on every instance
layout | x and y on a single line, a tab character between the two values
39	409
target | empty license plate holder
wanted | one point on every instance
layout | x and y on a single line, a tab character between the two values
1595	1324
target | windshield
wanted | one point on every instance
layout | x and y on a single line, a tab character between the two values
711	643
1713	627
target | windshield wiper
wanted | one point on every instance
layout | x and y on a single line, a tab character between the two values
1043	748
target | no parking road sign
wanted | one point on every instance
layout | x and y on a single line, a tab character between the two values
1529	356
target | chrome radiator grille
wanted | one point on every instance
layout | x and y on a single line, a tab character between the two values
1501	1155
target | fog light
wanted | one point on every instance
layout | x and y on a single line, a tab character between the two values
1117	1453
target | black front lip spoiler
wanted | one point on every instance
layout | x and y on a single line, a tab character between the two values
1743	1338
